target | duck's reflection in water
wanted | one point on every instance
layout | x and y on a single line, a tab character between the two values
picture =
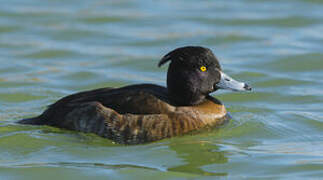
197	155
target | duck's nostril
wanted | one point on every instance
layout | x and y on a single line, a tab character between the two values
247	87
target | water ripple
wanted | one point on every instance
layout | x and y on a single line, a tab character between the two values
49	49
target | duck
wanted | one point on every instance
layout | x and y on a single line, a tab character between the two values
143	113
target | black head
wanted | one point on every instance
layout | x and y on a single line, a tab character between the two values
194	72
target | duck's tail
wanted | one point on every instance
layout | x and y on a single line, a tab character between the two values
33	121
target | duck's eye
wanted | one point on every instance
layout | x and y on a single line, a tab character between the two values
203	68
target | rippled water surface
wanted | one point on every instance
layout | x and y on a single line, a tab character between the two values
52	48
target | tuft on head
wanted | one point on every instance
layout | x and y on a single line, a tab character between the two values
184	54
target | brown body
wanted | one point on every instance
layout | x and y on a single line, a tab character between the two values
131	115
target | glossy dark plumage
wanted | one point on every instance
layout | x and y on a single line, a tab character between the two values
146	112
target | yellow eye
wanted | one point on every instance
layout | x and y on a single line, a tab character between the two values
203	68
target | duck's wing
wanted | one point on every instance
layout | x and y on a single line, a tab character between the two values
61	107
135	99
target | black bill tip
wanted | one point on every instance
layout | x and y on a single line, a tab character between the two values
247	87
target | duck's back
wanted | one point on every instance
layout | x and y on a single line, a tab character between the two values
130	115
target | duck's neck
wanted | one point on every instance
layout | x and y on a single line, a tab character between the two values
183	101
185	97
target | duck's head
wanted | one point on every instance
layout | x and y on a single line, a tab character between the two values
194	72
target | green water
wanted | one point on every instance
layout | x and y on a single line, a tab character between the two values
52	48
